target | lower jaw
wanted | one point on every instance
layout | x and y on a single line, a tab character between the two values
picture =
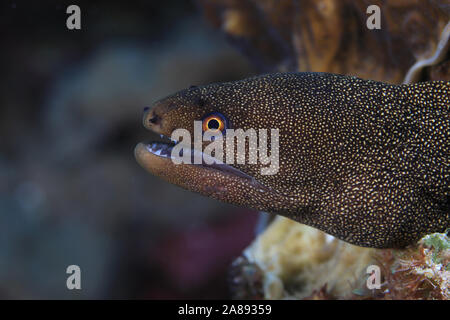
218	180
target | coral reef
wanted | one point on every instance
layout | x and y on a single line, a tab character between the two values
298	260
418	272
331	36
294	261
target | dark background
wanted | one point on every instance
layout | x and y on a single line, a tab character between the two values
71	191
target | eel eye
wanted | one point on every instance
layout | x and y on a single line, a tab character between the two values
214	122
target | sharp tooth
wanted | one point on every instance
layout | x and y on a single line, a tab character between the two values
158	152
161	136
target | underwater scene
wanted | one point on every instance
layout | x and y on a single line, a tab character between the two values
225	149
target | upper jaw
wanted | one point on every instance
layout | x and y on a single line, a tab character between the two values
161	146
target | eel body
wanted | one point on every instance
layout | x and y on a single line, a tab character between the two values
364	161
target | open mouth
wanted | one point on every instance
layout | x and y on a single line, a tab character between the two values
164	149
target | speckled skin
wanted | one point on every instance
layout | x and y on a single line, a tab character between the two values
361	160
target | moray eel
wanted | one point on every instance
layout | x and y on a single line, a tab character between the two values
364	161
